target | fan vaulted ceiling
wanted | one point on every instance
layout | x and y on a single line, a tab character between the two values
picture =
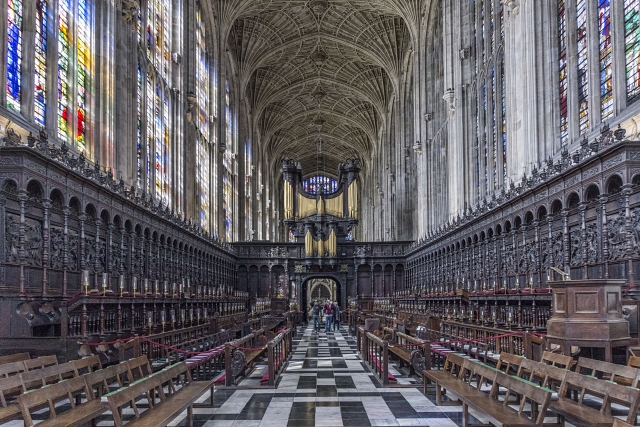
318	70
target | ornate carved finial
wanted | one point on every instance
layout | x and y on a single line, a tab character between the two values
130	10
417	147
449	97
12	139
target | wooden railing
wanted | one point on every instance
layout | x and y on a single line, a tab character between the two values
278	351
376	353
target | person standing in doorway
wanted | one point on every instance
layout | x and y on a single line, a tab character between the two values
337	312
315	311
328	315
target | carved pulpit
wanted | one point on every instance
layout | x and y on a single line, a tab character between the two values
588	313
321	219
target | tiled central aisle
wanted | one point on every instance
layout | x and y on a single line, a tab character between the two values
326	384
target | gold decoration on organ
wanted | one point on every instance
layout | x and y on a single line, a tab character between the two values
353	199
288	200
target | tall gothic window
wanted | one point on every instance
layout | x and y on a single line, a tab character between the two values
40	82
64	62
74	47
227	177
606	55
203	141
632	48
487	17
154	103
248	191
583	66
595	23
14	54
564	85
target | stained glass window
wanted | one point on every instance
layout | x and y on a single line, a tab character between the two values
150	104
632	48
83	69
40	92
494	139
583	66
161	144
227	184
14	54
202	77
158	34
604	27
139	86
564	87
504	124
312	184
203	178
203	87
64	76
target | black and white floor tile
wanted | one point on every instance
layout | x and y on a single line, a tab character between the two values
326	385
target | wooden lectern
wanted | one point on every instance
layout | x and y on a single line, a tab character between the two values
588	313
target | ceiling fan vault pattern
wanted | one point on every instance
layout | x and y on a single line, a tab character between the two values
319	69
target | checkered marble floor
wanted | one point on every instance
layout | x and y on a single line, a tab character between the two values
326	384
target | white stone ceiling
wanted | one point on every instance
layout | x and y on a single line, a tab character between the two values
319	69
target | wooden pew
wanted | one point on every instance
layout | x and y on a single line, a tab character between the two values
498	411
451	371
547	376
98	382
9	388
17	357
48	375
86	365
139	367
77	416
166	406
585	386
625	375
558	360
40	362
12	368
509	363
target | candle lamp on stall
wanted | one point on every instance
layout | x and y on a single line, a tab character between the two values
121	283
85	281
105	279
134	283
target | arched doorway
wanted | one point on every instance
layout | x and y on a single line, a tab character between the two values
321	289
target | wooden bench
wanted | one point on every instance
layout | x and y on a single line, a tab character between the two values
558	360
451	372
462	372
16	357
498	411
509	363
585	386
98	382
65	390
40	362
625	375
86	365
12	368
166	406
547	376
139	367
9	389
48	375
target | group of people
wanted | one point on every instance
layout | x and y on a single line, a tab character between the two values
332	312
